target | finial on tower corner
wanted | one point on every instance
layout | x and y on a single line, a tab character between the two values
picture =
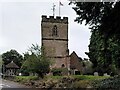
44	16
58	17
66	18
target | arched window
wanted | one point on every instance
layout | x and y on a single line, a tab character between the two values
54	31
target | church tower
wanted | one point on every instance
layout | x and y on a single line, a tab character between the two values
55	40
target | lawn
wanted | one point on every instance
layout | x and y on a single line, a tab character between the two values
23	79
89	77
79	77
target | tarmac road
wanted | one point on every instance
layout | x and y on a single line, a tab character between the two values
10	84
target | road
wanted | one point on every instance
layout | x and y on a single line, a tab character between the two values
10	84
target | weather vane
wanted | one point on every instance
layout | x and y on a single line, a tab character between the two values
53	9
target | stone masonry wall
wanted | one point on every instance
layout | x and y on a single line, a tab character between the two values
56	46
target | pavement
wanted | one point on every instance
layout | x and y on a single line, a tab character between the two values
10	84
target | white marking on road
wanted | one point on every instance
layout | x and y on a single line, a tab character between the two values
7	85
2	85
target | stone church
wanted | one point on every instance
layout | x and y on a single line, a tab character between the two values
55	42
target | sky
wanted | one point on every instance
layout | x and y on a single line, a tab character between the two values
20	25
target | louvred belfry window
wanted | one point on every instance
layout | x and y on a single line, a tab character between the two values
54	31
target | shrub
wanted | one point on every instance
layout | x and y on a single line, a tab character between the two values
82	84
112	82
59	71
56	71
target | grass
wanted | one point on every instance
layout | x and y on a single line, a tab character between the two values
80	77
85	81
25	78
89	77
74	81
53	77
78	81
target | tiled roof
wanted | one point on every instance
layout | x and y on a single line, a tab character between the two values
12	65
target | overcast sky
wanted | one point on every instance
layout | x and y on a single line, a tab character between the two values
20	25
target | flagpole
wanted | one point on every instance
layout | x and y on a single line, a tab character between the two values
59	8
60	4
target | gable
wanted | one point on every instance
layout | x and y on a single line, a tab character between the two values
75	61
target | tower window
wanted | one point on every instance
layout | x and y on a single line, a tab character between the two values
54	31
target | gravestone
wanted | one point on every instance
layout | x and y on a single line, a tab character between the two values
105	74
95	73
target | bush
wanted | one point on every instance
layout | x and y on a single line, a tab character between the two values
82	84
112	82
56	71
59	71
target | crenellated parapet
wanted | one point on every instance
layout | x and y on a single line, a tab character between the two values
58	19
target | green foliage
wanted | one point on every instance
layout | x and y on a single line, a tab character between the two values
36	65
71	82
104	45
35	49
56	70
80	77
81	84
36	62
92	13
80	81
25	78
53	77
87	67
12	55
59	71
102	55
1	63
88	77
111	83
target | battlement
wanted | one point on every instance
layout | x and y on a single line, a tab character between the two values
58	19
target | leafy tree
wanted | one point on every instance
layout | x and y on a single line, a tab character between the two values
35	49
103	18
12	55
36	61
93	13
87	67
1	63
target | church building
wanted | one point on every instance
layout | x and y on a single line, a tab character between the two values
55	43
55	40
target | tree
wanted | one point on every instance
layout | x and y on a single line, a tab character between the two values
12	55
103	19
93	13
35	49
36	61
1	63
